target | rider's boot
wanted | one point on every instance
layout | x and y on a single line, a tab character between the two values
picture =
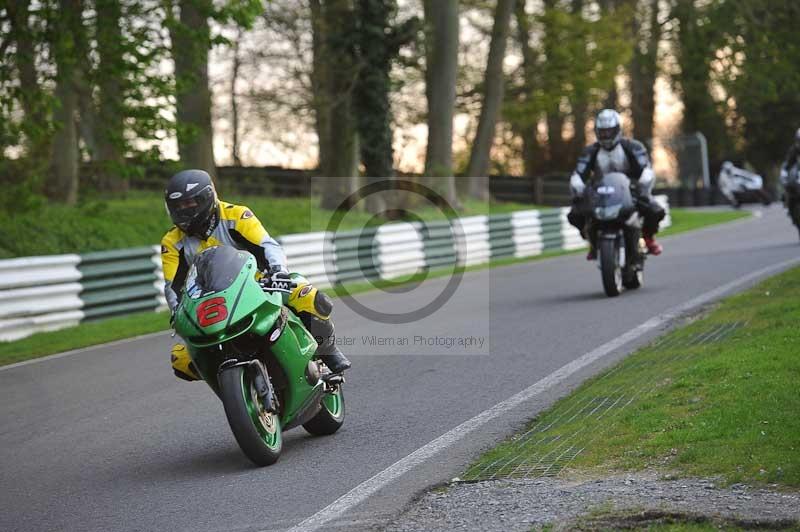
592	239
314	308
182	364
327	350
653	247
333	358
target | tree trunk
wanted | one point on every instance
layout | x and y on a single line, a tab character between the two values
441	50
85	88
373	110
554	115
319	87
335	76
643	70
580	103
62	185
531	149
494	79
32	98
237	62
110	128
191	40
612	98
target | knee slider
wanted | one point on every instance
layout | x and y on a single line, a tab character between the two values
322	330
654	212
576	217
323	304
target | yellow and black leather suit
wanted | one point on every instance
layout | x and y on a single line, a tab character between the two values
239	227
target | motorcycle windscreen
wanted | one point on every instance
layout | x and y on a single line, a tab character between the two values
610	195
214	270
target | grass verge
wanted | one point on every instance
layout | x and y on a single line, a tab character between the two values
93	333
141	220
688	220
716	398
83	335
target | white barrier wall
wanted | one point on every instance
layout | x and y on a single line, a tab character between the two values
47	293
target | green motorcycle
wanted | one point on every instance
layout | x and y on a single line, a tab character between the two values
255	354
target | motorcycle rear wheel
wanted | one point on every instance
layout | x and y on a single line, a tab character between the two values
633	278
257	431
610	268
330	417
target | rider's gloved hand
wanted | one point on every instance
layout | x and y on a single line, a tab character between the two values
576	186
278	281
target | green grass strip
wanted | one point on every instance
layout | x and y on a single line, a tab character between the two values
718	397
688	219
108	330
83	335
139	219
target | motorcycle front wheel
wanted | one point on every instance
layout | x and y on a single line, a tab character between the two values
257	431
609	267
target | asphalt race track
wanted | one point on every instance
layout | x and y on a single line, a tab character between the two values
107	439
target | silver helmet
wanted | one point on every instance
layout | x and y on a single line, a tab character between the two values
797	139
608	128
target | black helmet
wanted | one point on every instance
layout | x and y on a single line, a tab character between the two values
192	203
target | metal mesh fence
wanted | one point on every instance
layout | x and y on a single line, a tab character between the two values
558	437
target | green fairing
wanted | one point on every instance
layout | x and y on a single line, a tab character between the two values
252	310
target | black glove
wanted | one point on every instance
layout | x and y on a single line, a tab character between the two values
279	281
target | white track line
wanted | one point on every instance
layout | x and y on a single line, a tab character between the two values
82	350
369	487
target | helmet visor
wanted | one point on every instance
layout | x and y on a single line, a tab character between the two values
185	212
608	134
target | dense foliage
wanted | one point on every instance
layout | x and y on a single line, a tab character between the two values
92	92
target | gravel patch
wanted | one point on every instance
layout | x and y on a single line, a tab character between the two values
621	501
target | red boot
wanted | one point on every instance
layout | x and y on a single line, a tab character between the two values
653	247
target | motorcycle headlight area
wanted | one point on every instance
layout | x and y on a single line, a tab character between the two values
607	213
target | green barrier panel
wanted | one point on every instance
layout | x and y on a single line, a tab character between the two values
501	236
437	243
109	269
116	262
121	308
103	297
118	282
356	255
552	239
114	282
116	255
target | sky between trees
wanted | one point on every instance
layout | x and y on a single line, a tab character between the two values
93	92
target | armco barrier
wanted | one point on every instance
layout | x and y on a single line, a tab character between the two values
120	282
48	293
